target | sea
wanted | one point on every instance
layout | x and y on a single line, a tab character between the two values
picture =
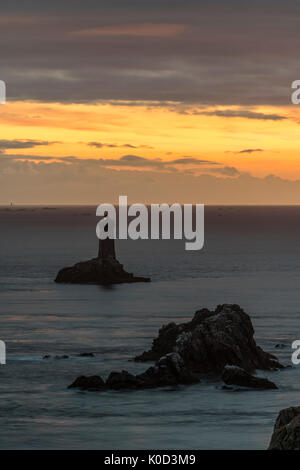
251	257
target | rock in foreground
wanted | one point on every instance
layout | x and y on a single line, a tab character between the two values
286	434
169	371
233	375
205	345
211	340
97	271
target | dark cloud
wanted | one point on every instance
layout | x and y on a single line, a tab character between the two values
245	151
125	161
191	161
23	144
137	161
226	170
232	52
100	145
250	151
134	160
243	113
37	158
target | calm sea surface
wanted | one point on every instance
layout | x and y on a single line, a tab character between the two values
251	257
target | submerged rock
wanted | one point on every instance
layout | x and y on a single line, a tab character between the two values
280	346
286	434
48	356
65	356
211	340
233	375
205	345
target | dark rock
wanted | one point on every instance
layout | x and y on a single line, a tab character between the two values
170	370
97	271
162	345
233	375
86	354
48	356
211	340
174	363
205	345
280	346
286	434
105	269
121	380
157	377
92	383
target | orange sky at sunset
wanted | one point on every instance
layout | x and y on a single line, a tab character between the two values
162	101
167	132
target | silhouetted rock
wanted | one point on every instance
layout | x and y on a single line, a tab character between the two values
205	345
211	340
169	370
48	356
97	271
92	383
233	375
65	356
121	380
286	434
105	269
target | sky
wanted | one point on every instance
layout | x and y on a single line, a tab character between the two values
164	101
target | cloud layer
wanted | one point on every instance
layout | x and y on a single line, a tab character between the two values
129	161
22	144
82	182
211	52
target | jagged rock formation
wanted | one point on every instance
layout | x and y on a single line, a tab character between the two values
205	345
105	269
286	434
233	375
168	371
211	340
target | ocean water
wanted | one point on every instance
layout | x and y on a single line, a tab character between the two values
251	257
